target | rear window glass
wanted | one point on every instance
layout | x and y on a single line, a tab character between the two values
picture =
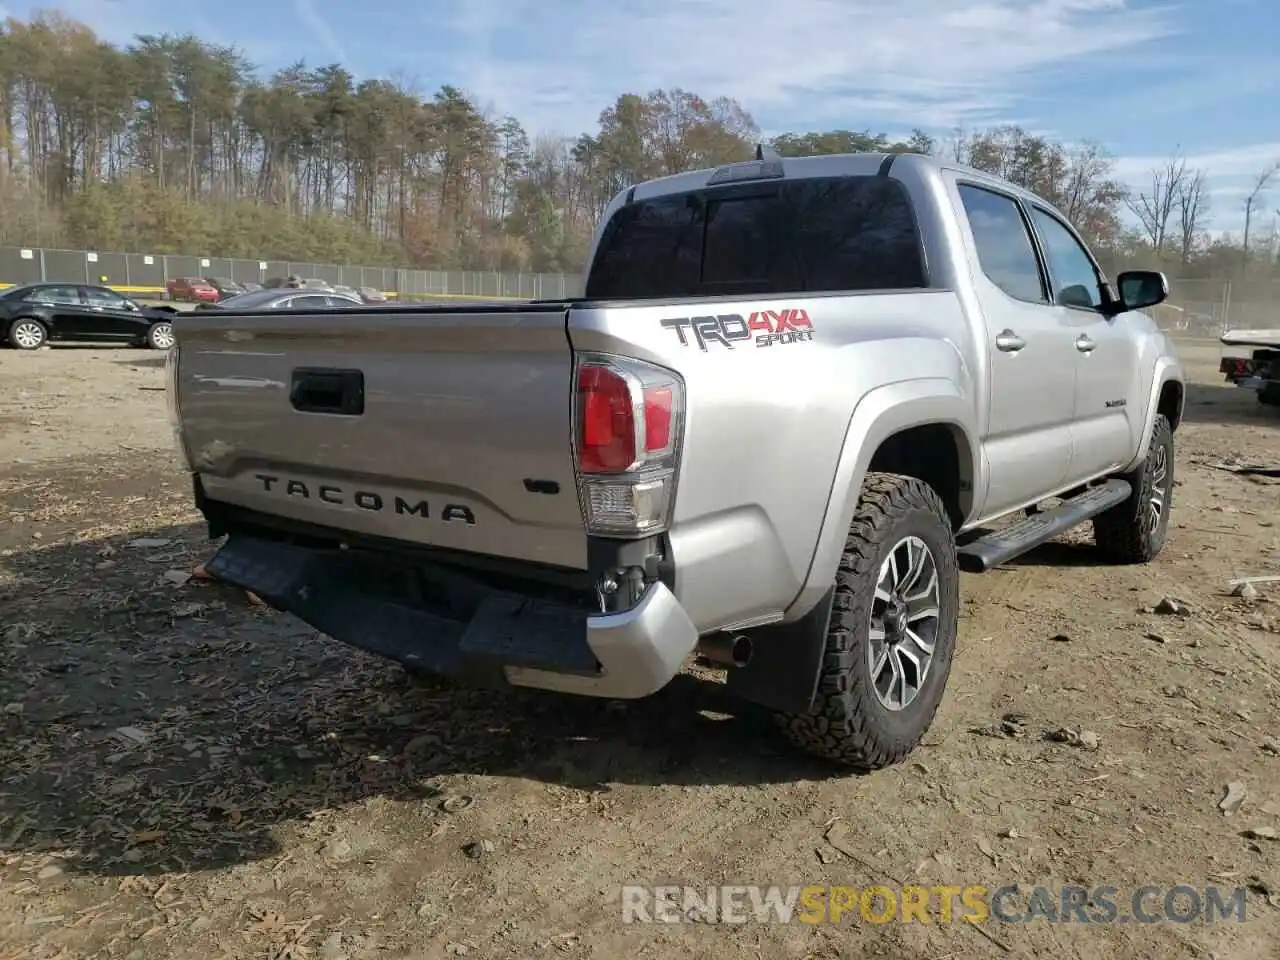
814	235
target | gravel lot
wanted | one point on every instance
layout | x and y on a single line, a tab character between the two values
184	774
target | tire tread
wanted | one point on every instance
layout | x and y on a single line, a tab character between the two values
1118	532
834	728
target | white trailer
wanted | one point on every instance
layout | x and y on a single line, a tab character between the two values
1252	361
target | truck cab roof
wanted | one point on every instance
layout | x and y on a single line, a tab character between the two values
826	165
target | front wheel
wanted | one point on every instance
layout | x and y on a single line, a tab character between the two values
1135	530
892	633
160	336
27	334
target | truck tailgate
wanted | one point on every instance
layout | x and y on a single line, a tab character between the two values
446	427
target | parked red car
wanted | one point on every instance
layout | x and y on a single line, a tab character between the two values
192	288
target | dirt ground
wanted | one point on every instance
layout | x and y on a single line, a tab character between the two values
184	774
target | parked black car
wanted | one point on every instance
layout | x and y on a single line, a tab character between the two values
33	314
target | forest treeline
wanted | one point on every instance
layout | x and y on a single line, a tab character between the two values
174	145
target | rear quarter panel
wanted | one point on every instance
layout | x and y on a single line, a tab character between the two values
768	428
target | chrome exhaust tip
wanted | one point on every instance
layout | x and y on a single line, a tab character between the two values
726	649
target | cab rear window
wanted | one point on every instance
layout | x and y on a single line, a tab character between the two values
808	235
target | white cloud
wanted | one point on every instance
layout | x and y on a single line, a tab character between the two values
1231	164
941	62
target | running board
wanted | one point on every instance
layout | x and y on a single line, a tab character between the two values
1012	541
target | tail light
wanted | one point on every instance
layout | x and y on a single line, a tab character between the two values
1236	367
629	418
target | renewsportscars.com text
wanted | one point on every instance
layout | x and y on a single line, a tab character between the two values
974	903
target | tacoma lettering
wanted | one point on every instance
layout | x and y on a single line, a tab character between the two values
364	499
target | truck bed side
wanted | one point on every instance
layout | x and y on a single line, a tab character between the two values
767	424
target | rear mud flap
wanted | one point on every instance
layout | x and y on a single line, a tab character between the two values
501	630
784	669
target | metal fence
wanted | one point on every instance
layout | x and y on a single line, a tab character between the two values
1211	307
146	273
1197	307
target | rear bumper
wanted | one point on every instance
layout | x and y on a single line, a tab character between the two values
638	651
1252	374
443	622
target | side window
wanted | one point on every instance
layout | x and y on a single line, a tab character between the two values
98	297
1005	251
309	303
69	295
1075	281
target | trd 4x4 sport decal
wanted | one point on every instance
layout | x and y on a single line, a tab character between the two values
766	327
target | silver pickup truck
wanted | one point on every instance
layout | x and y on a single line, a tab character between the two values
786	413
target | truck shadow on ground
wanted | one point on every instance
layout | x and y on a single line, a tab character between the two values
1062	553
1224	403
151	726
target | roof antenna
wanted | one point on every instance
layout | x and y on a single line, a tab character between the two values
766	153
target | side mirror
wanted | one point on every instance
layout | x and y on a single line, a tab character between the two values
1139	289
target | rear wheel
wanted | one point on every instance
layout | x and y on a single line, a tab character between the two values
1270	395
27	333
160	336
1135	531
893	629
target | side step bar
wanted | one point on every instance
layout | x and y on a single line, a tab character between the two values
1001	546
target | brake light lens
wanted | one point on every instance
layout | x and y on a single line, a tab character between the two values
608	433
629	419
657	419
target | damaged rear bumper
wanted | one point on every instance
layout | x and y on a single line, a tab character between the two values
440	622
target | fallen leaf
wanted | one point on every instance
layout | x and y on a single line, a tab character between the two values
988	851
1236	791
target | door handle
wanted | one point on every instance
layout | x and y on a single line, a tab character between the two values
1009	342
1084	344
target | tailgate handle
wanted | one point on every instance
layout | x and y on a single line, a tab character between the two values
316	390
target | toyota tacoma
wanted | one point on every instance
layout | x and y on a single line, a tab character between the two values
797	398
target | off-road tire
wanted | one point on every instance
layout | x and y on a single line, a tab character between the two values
27	323
1126	533
846	722
1269	395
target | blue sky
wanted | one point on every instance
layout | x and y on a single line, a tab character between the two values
1144	77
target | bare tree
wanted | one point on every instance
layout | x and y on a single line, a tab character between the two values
1260	184
956	147
1193	209
1154	208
